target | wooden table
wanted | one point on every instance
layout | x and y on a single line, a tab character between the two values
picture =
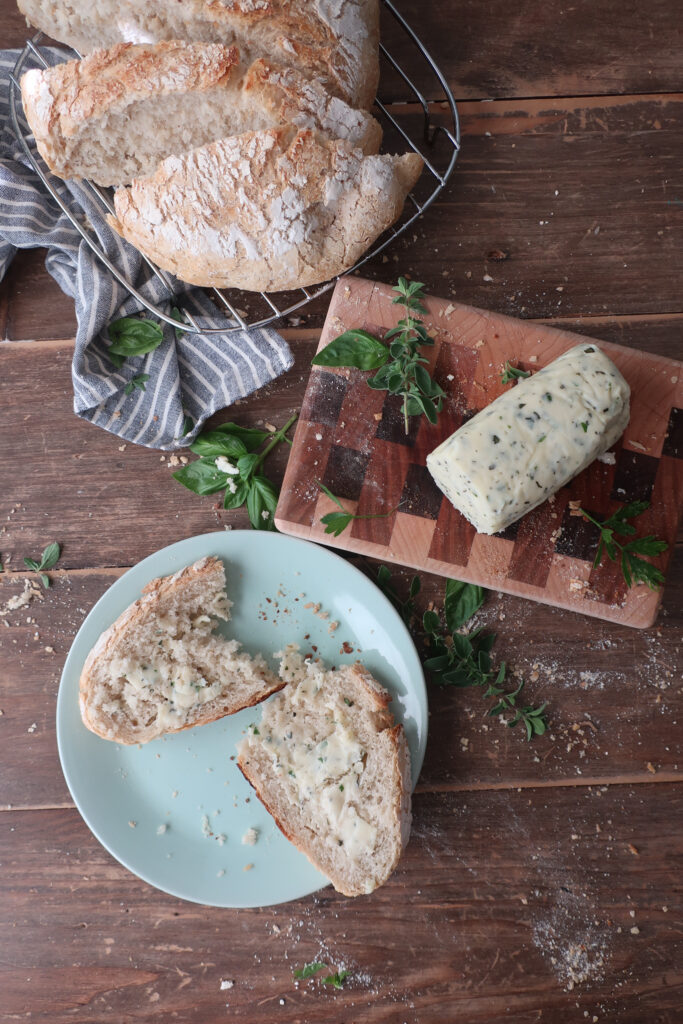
542	882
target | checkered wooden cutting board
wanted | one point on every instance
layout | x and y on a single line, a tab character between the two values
352	439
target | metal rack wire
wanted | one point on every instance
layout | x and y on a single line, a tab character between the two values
438	167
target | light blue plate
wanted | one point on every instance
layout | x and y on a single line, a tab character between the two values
182	780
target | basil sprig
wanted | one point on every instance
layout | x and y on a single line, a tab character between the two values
230	460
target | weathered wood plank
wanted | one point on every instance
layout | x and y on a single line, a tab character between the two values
614	695
528	224
497	49
473	926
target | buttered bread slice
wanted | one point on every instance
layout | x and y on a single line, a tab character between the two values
334	771
161	667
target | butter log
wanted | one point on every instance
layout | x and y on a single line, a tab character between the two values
532	440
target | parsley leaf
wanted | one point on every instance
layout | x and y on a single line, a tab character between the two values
336	522
634	569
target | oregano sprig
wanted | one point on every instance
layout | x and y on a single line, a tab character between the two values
511	374
634	568
456	659
230	460
336	522
401	369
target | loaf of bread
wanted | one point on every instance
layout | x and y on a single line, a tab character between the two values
332	41
161	667
116	114
329	764
268	210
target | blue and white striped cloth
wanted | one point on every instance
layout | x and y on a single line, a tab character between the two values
190	375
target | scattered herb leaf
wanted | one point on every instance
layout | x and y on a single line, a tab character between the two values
511	374
138	382
188	425
336	979
400	367
336	522
406	609
231	447
461	602
635	569
308	970
48	560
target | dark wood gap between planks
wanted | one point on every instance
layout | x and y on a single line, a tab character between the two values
643	779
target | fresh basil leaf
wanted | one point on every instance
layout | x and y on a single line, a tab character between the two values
31	564
214	442
132	337
188	426
353	348
236	498
461	602
430	622
247	465
45	580
201	477
250	437
262	498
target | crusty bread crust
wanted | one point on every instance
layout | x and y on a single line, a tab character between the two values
96	118
205	573
390	749
332	41
264	211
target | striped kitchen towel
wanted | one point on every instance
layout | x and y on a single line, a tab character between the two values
191	376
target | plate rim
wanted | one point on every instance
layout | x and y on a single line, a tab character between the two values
73	663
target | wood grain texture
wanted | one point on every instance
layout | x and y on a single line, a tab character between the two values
614	696
473	925
538	50
537	556
527	225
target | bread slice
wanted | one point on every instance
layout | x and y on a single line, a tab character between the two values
117	113
333	41
334	771
264	211
161	668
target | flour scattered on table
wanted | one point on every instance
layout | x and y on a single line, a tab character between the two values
570	939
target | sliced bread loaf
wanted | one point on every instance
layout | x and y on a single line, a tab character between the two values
266	210
161	668
116	114
333	41
334	771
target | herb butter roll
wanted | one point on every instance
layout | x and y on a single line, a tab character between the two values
533	439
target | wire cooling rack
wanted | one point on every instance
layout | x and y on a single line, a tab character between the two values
437	143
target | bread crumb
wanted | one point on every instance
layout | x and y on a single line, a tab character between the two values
651	768
250	837
634	850
635	930
122	447
132	824
226	984
318	437
33	727
162	829
248	867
